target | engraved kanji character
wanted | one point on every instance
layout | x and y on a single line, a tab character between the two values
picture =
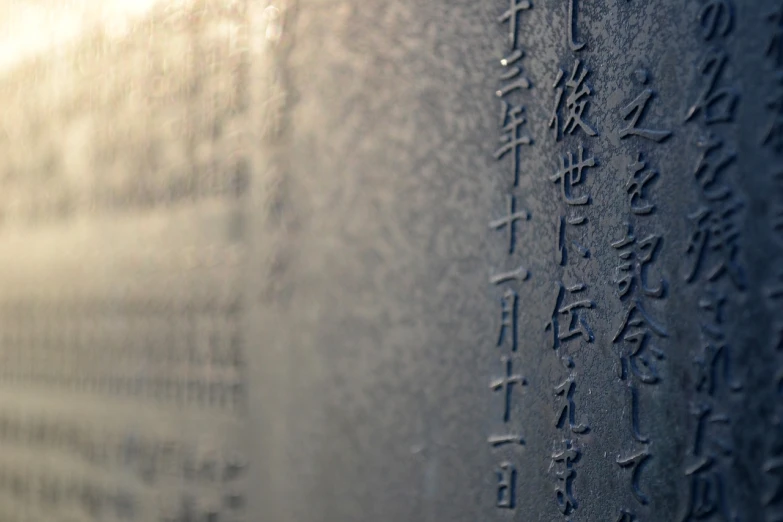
713	362
564	494
575	104
635	186
634	112
510	16
560	236
716	235
509	318
713	162
636	463
635	330
638	357
572	21
570	175
509	221
513	72
635	256
511	121
574	322
708	444
717	104
775	46
505	384
716	17
774	134
706	495
626	516
507	478
565	394
519	274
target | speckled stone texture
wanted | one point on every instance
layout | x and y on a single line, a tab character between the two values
386	327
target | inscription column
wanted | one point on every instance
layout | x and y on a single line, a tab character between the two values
714	266
508	439
639	339
569	325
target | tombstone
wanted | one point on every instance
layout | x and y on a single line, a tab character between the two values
340	260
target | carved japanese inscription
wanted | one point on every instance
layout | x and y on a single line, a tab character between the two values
639	339
714	264
409	260
572	308
507	438
123	384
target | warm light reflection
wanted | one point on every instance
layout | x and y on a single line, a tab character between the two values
32	27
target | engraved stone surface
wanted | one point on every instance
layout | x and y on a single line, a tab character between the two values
123	367
533	269
348	260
